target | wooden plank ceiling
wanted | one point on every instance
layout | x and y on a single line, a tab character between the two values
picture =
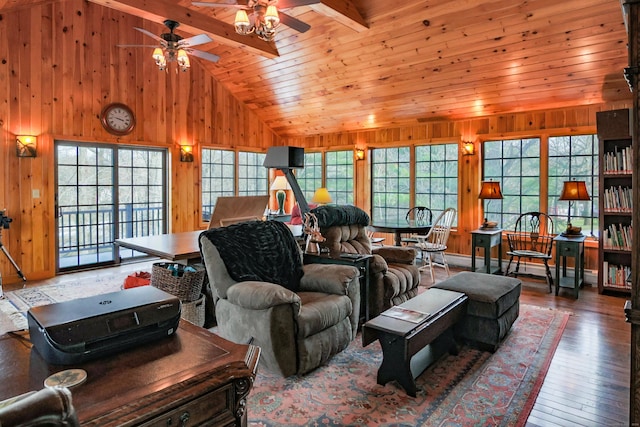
379	63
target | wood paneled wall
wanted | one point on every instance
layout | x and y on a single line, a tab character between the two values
580	120
59	66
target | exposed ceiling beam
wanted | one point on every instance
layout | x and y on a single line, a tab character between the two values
342	11
192	22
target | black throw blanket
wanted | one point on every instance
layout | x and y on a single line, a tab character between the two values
330	215
263	251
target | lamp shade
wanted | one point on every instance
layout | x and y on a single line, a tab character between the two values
490	190
321	196
280	183
574	190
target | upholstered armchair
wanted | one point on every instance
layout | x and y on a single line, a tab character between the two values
393	276
47	407
299	315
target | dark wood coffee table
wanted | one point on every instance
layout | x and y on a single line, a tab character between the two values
408	348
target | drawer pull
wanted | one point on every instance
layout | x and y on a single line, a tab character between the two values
184	418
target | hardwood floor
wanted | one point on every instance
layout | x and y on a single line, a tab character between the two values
588	380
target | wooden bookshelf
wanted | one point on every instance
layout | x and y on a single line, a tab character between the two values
616	204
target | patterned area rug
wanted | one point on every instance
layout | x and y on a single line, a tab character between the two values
474	388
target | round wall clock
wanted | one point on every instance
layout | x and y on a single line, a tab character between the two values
117	119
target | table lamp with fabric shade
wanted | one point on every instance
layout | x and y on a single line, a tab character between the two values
322	196
279	185
489	190
572	191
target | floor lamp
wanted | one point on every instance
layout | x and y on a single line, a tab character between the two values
279	185
572	191
490	190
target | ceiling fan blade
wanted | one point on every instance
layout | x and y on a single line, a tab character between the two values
294	23
239	4
149	33
137	45
286	4
196	40
204	55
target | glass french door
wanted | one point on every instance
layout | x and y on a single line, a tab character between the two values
105	192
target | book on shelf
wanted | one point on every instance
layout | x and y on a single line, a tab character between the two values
618	237
616	276
407	314
618	199
618	161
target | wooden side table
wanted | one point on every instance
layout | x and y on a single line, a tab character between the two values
570	246
360	261
486	239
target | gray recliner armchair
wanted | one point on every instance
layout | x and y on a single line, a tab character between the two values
393	276
299	315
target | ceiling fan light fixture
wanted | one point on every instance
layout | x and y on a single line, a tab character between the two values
183	60
161	60
242	24
271	18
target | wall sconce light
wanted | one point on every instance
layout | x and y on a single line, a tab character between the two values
26	145
359	154
186	153
468	148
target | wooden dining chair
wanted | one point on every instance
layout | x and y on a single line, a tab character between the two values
420	215
531	238
435	242
375	241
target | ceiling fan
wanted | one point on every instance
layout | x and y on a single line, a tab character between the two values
175	48
264	16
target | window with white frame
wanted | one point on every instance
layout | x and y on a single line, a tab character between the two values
339	176
218	178
390	183
436	177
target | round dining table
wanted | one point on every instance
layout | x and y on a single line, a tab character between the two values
400	227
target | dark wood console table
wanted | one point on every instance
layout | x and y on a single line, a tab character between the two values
193	375
408	348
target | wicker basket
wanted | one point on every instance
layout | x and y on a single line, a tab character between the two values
187	285
194	311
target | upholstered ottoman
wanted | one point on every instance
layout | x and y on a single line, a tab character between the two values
492	307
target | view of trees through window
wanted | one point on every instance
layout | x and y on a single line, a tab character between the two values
518	163
574	158
339	176
253	177
218	178
310	177
390	183
515	164
105	192
436	177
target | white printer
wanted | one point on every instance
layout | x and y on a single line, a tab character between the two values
87	328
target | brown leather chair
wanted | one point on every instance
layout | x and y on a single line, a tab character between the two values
48	407
393	276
